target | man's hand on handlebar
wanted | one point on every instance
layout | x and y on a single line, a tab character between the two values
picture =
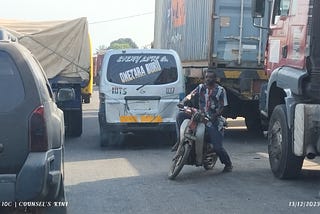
180	105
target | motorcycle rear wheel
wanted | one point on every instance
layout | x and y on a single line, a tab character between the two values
179	160
210	161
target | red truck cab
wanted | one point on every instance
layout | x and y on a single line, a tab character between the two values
287	42
290	101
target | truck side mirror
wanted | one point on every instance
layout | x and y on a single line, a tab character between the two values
257	8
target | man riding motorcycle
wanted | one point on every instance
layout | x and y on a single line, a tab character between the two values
211	100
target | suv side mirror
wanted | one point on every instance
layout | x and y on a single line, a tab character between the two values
257	8
66	94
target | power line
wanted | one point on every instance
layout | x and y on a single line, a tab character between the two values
120	18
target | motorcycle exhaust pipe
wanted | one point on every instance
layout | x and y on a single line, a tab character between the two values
311	151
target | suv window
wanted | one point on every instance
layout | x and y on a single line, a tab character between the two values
142	69
43	84
11	87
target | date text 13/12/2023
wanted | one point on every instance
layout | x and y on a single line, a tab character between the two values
304	203
34	204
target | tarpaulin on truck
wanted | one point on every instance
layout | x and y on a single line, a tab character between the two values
62	47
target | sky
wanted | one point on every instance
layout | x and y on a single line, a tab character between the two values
108	20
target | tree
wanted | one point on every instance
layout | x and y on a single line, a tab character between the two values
122	43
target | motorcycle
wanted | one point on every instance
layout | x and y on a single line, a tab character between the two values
193	148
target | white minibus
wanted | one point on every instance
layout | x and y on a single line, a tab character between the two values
139	90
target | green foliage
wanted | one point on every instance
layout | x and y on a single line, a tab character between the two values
122	43
119	46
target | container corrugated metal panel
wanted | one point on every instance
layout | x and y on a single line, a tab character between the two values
182	25
235	37
187	25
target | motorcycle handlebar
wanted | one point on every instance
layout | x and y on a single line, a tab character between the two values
192	111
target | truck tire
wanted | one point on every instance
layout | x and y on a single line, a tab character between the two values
111	138
115	138
171	137
253	118
103	138
253	124
284	164
74	123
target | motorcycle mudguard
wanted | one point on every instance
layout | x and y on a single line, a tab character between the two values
199	143
183	127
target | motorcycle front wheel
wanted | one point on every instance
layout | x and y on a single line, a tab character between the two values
179	159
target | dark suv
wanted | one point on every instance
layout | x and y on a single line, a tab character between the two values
31	132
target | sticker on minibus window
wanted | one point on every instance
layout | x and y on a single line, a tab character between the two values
142	69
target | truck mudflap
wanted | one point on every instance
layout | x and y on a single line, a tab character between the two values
72	108
306	130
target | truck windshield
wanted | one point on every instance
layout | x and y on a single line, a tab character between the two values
142	69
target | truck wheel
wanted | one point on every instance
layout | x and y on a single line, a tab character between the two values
110	138
115	138
252	117
74	123
103	138
284	164
171	137
253	124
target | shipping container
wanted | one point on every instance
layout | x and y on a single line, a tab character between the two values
220	35
187	32
199	29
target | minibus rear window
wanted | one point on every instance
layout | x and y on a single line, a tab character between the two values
142	69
